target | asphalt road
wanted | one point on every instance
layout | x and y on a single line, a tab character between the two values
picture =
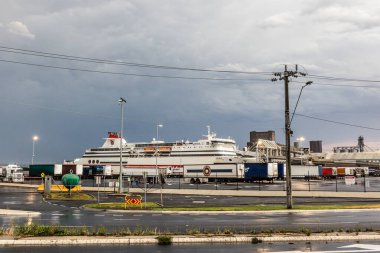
69	213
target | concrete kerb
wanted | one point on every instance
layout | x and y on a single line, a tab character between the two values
133	240
233	212
312	194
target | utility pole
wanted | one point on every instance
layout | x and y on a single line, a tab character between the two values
288	132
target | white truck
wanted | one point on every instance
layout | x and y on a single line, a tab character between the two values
12	173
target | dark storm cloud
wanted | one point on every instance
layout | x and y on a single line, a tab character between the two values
73	110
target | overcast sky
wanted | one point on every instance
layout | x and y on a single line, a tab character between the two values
71	110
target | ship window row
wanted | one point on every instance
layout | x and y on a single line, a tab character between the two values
104	149
172	155
93	161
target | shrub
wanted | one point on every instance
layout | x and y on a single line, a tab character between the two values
306	231
256	240
164	240
101	231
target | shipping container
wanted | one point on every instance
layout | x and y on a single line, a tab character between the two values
328	172
340	172
69	168
72	168
36	170
233	171
281	168
107	170
261	171
57	169
79	169
305	171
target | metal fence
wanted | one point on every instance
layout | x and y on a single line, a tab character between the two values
340	183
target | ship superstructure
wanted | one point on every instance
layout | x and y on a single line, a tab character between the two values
173	157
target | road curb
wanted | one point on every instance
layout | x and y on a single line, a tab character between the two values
180	239
230	212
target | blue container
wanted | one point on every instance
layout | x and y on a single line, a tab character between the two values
258	171
320	170
281	171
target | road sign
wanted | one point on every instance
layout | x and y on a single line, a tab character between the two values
98	180
349	180
132	200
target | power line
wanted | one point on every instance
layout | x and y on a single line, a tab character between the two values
341	85
131	74
132	64
337	122
154	66
332	78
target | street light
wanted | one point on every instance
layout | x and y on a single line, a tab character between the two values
159	125
159	175
300	140
121	101
298	100
35	138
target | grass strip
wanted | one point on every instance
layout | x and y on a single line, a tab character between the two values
67	196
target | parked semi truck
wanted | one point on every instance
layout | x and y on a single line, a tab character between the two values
12	173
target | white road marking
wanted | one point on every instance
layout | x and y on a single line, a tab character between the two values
125	219
327	223
100	215
57	214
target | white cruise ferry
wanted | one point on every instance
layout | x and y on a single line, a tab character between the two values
209	157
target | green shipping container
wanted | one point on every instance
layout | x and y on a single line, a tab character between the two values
36	170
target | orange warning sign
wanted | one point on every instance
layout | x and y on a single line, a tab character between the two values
133	200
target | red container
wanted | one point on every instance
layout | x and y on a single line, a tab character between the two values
327	171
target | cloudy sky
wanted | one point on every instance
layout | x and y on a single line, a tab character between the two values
73	110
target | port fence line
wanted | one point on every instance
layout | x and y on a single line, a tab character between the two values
338	187
300	183
315	183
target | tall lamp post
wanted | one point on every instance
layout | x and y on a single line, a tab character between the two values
121	101
157	126
160	174
35	138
